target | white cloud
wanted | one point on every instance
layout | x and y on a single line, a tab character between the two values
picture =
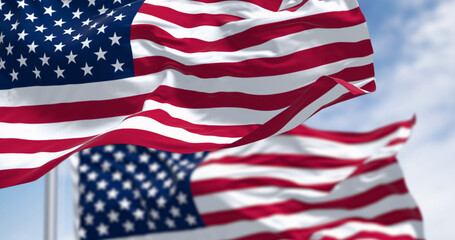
421	80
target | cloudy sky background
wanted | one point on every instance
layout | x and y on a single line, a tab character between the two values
414	42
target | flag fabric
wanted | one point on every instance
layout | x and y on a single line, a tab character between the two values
304	184
177	75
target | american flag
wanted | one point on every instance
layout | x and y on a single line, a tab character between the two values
304	184
177	75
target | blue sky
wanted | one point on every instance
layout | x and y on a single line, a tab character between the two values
414	42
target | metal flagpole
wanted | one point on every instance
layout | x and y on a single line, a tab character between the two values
50	210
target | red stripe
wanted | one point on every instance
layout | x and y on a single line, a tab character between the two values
250	37
267	4
372	235
194	99
61	112
187	20
351	137
216	185
294	206
286	160
259	67
387	219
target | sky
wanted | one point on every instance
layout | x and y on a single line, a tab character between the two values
414	43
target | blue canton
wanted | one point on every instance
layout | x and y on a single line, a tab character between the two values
129	190
65	42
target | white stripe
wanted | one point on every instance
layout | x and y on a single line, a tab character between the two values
62	130
213	33
215	116
270	195
296	175
32	160
151	125
276	47
409	228
279	223
299	145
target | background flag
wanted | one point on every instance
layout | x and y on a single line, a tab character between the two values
178	75
304	184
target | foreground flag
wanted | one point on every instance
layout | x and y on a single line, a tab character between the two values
179	75
304	184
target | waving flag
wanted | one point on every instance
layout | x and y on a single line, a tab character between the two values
176	75
304	184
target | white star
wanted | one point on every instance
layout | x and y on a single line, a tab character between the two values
105	166
14	74
84	168
94	25
136	194
131	148
72	58
88	219
50	37
109	148
22	4
99	206
101	185
119	1
89	197
40	28
8	16
86	22
127	185
181	175
113	216
1	5
32	47
59	23
161	175
102	10
101	29
66	3
162	155
95	158
170	223
119	155
112	194
87	69
9	49
86	43
77	14
129	226
37	73
102	229
124	204
91	2
181	198
111	13
59	72
151	225
31	17
22	35
176	156
117	176
77	37
14	25
138	214
49	11
130	167
168	183
2	63
140	177
82	233
22	61
81	186
115	39
59	47
144	158
68	31
191	220
146	185
119	17
118	66
45	59
92	176
161	202
155	214
100	54
175	212
152	192
154	167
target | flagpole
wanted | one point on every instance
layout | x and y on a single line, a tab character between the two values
50	203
